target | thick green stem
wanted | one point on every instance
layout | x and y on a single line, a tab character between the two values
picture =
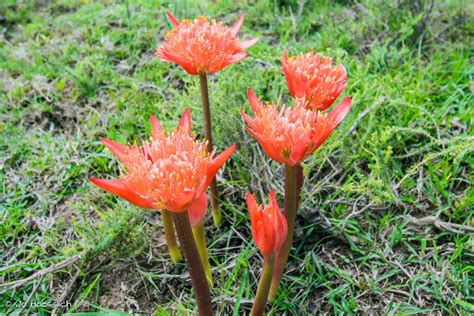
173	248
193	261
263	286
200	238
206	111
291	203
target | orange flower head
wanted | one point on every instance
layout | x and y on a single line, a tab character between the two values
169	172
289	135
203	46
314	78
269	227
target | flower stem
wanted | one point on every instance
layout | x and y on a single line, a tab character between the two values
200	238
299	184
173	248
291	203
263	286
193	261
206	110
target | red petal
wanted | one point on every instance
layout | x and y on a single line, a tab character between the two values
299	150
172	19
251	203
120	189
182	202
341	110
335	117
254	218
155	125
185	121
272	200
217	162
269	242
249	120
236	58
254	102
268	147
197	210
119	150
166	53
236	27
246	44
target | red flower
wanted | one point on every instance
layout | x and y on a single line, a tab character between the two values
269	227
168	172
314	78
203	46
289	135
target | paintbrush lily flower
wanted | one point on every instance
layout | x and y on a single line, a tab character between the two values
203	46
169	172
314	78
269	227
288	135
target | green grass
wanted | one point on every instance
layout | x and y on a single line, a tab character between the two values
386	219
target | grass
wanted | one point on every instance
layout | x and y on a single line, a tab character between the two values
386	219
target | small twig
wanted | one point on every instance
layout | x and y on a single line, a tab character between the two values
293	22
398	264
355	212
67	291
432	220
369	206
41	273
301	4
233	300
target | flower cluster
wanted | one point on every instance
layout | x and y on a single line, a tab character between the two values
203	46
289	135
314	78
169	172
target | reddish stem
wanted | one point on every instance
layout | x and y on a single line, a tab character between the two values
193	261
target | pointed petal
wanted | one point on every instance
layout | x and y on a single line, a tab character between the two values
155	125
249	120
120	189
251	203
217	162
341	110
254	218
254	102
299	150
246	44
272	200
182	202
185	121
172	19
298	154
281	227
197	210
119	150
236	27
332	121
268	147
236	58
166	53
